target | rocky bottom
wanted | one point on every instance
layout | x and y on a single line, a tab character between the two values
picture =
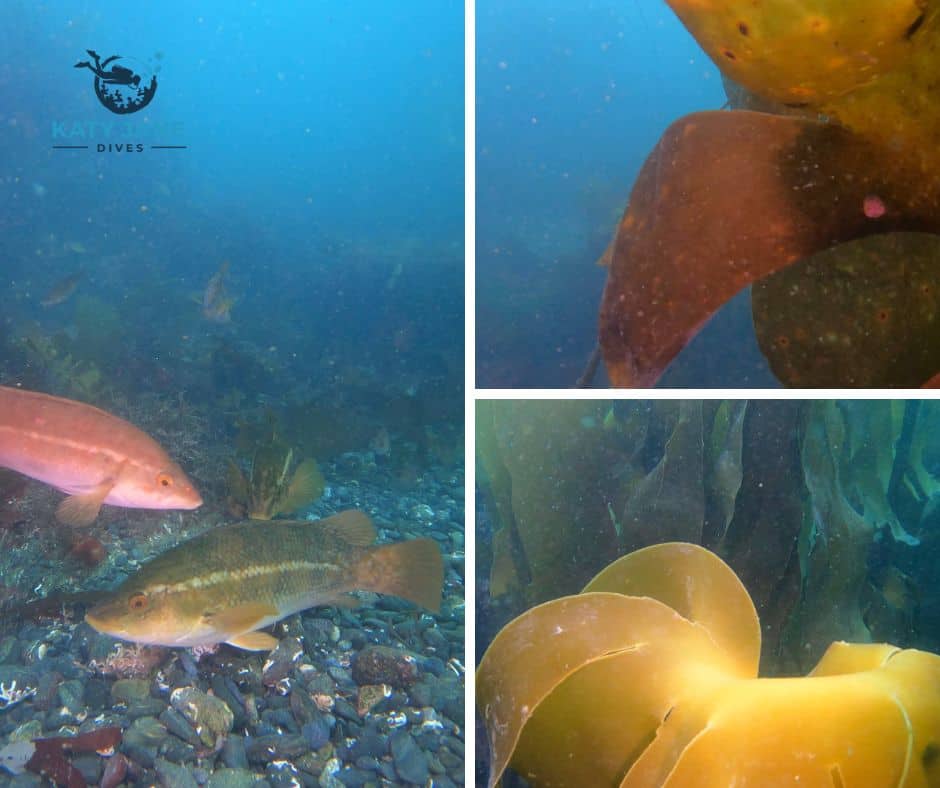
365	697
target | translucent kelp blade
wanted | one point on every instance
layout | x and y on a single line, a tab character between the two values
700	587
681	726
594	725
833	732
668	504
914	678
862	314
841	658
725	199
803	51
646	645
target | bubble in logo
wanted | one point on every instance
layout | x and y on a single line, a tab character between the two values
122	84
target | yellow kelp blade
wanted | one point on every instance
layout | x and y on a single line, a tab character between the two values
825	732
841	658
804	51
618	664
699	586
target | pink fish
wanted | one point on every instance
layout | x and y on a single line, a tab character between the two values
93	456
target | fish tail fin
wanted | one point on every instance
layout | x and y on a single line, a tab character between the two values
412	570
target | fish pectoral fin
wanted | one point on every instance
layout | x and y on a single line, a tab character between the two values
83	509
243	618
253	641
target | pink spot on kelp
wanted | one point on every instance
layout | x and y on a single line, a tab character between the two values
873	206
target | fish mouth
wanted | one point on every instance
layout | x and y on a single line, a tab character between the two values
96	621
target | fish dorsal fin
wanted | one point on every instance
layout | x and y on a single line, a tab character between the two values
242	618
82	509
352	526
254	641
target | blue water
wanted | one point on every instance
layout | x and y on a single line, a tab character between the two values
571	98
323	159
271	274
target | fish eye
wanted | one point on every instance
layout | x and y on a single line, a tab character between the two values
138	602
164	480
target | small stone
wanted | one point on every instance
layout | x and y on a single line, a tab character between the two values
328	778
27	731
90	765
263	749
142	739
411	764
71	694
370	743
370	695
342	708
130	691
233	753
316	732
385	665
232	778
210	716
179	726
288	649
173	776
146	731
149	707
97	694
114	772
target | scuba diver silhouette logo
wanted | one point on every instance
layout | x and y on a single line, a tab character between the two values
121	88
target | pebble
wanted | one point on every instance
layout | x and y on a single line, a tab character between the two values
411	764
173	776
209	716
130	691
233	753
385	665
233	778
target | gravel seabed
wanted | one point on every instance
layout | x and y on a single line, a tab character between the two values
365	697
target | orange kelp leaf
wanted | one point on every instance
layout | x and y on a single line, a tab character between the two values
803	51
700	587
725	199
870	65
830	732
536	653
863	314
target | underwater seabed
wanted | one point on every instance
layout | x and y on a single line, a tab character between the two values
800	536
350	697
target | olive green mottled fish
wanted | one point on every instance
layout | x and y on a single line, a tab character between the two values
225	585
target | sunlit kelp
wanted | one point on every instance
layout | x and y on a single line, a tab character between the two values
548	461
649	678
861	159
818	506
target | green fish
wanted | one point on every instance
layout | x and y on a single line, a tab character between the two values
227	584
